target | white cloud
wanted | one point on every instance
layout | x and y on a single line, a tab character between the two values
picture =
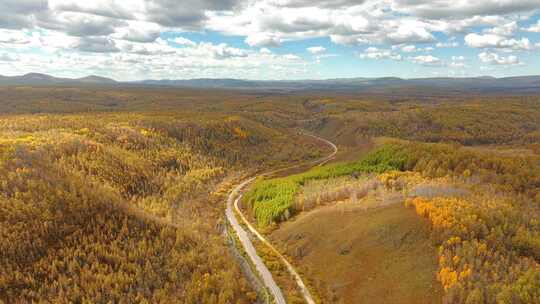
221	51
129	31
185	14
7	57
263	39
409	48
160	60
378	54
457	65
183	41
16	38
495	59
17	14
347	40
412	48
450	44
458	62
114	9
458	9
506	30
534	28
316	50
427	60
138	31
97	45
321	3
291	57
496	41
411	31
465	24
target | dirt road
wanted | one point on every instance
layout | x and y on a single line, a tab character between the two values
260	267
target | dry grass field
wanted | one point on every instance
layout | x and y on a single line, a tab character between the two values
382	255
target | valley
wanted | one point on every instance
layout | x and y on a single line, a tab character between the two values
270	152
105	188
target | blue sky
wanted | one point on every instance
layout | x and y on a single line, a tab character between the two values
270	39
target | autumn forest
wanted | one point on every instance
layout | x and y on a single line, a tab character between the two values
118	194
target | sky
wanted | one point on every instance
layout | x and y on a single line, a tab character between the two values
270	39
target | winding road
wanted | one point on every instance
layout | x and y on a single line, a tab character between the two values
260	267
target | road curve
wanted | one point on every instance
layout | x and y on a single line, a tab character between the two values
261	268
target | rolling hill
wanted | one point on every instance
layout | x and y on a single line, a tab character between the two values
441	85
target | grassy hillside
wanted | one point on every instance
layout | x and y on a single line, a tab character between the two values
384	255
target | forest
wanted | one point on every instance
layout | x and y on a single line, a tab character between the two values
469	121
126	207
118	194
489	239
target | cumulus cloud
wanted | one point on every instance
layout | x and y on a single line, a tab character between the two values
457	62
187	14
150	32
223	51
291	57
450	44
458	9
113	9
14	38
496	41
161	60
409	48
495	59
316	50
535	28
291	22
183	41
7	57
377	54
158	48
80	24
97	45
506	30
411	32
138	31
18	14
427	60
263	40
367	22
317	3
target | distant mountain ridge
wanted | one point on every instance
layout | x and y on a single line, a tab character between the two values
483	84
44	79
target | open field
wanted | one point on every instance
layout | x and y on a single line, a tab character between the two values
384	255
